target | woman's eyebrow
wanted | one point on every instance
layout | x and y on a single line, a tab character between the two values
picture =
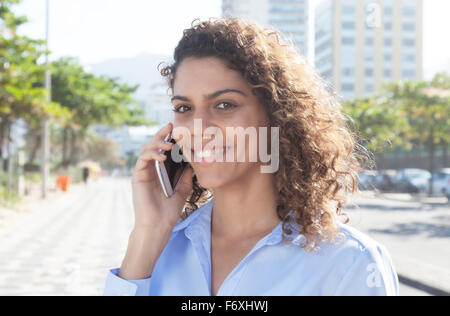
211	96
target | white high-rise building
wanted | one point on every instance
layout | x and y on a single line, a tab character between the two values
361	44
290	17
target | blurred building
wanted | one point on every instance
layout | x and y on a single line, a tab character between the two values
129	139
361	44
157	106
290	17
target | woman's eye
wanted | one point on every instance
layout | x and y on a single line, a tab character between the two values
180	109
225	105
184	108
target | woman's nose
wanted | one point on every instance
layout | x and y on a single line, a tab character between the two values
203	129
201	121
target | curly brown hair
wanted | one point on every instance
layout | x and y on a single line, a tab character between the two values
318	152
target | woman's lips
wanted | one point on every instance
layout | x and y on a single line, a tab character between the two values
209	156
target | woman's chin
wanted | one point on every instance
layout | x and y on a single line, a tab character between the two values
210	179
210	183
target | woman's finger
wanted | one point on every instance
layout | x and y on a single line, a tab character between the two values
159	144
140	164
162	133
147	157
152	155
151	150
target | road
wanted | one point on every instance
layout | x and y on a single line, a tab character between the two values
67	246
416	232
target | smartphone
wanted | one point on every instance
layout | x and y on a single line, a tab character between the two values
170	172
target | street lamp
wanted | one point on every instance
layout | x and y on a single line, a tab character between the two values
45	166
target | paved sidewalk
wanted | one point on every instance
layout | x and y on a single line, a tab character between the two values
66	246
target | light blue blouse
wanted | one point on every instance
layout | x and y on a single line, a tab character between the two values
354	265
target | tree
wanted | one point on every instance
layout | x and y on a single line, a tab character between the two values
377	123
91	100
440	87
80	99
428	114
21	93
103	150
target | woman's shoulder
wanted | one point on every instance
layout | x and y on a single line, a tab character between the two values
349	242
353	239
361	262
352	244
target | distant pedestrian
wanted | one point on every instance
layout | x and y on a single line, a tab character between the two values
85	174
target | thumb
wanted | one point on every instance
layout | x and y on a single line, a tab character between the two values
184	186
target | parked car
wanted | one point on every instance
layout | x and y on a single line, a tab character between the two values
367	179
384	180
412	180
441	182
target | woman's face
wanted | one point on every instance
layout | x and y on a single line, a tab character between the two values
199	94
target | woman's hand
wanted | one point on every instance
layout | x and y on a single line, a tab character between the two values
152	208
155	214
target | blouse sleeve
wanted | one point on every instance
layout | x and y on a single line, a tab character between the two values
116	286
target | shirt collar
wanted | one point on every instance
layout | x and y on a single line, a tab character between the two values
198	224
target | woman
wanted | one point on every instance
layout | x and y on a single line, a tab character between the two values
231	229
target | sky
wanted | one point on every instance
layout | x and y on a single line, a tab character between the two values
98	30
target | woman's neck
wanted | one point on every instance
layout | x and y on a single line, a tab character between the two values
246	207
